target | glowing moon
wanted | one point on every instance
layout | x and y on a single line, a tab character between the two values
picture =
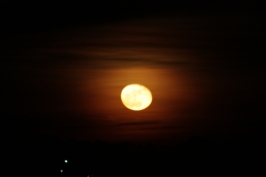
136	97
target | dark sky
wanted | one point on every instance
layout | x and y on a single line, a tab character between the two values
64	65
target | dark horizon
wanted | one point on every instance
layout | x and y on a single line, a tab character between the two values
44	155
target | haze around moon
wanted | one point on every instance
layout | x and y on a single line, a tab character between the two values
136	97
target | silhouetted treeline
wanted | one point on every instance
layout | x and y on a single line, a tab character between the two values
38	155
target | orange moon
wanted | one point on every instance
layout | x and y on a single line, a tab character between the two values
136	97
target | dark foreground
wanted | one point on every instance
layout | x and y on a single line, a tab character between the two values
45	156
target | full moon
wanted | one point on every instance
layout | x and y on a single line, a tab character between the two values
136	97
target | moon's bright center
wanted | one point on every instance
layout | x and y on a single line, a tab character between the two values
136	97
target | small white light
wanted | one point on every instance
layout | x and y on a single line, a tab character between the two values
66	161
61	170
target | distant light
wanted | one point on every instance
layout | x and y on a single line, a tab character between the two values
61	170
66	161
88	176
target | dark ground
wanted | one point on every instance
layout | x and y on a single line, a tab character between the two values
40	155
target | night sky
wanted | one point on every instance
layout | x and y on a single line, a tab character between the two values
64	65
